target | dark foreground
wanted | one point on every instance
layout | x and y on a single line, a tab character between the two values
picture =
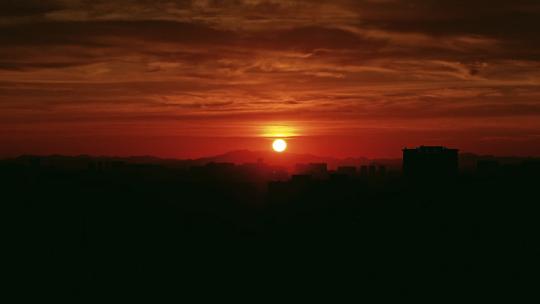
155	232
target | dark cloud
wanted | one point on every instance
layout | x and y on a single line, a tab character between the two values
23	8
100	33
512	22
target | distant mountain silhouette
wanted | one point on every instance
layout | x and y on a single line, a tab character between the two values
280	159
288	160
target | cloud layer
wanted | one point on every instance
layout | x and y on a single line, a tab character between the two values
328	67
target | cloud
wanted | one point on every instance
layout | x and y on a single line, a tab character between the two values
385	61
22	8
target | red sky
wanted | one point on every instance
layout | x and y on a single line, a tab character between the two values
341	77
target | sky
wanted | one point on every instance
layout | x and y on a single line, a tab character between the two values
202	77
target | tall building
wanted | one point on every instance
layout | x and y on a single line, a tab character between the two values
430	161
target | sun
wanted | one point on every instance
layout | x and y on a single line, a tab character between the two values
279	145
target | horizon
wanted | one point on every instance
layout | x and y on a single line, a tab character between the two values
271	153
397	153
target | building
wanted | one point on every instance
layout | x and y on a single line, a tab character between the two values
372	171
488	167
346	170
364	171
382	170
430	161
316	170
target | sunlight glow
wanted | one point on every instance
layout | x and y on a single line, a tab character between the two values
279	131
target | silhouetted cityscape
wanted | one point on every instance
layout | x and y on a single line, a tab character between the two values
111	222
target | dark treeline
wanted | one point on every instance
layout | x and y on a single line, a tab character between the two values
129	227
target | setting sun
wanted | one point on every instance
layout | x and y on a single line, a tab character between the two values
279	145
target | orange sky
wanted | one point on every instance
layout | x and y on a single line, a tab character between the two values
195	78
